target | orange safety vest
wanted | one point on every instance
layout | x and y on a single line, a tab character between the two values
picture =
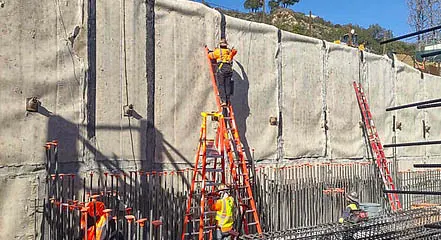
223	55
101	230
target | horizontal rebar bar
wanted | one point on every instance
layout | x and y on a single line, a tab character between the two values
433	105
412	144
412	192
413	104
424	165
410	35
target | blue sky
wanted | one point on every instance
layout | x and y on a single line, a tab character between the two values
390	14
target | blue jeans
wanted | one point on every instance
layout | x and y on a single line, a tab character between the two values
222	235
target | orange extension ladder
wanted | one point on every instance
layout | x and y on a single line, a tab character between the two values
377	147
214	158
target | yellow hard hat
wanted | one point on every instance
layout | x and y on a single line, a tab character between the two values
222	187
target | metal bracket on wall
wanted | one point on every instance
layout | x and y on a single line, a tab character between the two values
32	104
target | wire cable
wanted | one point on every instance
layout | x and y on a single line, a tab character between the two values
126	79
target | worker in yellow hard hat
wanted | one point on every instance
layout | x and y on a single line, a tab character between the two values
224	70
353	213
224	208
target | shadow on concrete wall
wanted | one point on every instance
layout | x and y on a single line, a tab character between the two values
241	107
79	155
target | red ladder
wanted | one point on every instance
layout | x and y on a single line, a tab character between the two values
377	147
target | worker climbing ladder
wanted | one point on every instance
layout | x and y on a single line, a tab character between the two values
377	147
219	161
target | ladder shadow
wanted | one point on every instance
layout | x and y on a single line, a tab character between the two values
240	103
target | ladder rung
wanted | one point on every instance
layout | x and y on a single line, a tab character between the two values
198	219
210	227
251	224
210	212
211	184
213	170
250	211
195	233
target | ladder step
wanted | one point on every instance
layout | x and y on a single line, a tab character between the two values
252	224
211	184
250	211
210	227
212	169
198	220
210	212
195	233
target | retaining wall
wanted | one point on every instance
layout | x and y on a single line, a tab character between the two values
85	60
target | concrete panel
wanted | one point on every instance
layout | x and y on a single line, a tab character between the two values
302	82
345	135
255	98
183	86
120	79
432	86
38	60
409	89
17	207
380	77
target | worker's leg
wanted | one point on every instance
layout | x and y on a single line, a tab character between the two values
220	79
226	236
228	74
218	234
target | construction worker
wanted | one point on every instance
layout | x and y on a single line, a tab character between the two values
353	213
224	208
224	70
101	221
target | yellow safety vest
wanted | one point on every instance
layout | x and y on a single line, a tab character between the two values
351	206
224	216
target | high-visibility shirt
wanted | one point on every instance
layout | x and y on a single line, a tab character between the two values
101	230
348	212
224	213
222	55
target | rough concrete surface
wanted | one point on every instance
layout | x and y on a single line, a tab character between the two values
86	60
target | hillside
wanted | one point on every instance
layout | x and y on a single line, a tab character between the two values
299	23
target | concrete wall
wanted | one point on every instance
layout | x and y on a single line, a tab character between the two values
85	60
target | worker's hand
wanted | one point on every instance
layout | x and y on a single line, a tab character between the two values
210	201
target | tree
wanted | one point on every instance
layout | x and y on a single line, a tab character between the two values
274	4
424	14
287	3
254	5
377	32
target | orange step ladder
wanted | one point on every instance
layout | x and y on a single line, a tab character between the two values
215	159
377	147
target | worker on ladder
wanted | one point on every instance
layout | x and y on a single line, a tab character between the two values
223	56
224	208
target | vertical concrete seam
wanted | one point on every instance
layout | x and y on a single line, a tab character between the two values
280	152
325	55
91	71
150	78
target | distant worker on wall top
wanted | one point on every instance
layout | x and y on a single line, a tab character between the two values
224	70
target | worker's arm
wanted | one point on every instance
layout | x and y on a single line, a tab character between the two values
216	206
214	54
233	53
